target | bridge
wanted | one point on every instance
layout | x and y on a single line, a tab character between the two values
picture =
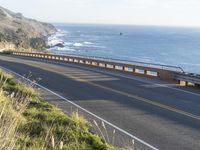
187	78
163	72
143	99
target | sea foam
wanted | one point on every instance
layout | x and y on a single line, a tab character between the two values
77	44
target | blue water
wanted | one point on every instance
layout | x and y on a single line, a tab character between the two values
164	45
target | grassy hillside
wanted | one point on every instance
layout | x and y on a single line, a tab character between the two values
29	123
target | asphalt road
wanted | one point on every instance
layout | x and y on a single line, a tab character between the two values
162	114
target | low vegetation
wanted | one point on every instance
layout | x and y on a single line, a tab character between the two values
29	123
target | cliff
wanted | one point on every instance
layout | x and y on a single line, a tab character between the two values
19	32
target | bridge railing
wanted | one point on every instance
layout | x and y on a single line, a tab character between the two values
164	72
188	78
138	63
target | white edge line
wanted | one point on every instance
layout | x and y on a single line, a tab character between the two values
123	131
109	73
157	84
117	75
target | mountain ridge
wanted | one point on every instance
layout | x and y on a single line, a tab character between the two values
18	32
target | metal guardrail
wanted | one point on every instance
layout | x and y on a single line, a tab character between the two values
122	137
139	63
163	72
188	77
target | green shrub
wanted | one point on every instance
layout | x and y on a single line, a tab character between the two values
40	125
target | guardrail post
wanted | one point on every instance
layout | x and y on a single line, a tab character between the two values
65	59
158	75
146	72
183	83
161	73
197	85
133	70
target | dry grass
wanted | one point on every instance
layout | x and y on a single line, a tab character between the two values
10	118
29	123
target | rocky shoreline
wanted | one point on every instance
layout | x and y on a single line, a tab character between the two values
20	33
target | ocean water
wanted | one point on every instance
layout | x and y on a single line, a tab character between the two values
163	45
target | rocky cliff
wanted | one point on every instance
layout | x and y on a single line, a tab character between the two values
19	32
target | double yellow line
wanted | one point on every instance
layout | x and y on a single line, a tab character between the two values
147	101
35	64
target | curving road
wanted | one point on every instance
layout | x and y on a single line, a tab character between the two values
162	114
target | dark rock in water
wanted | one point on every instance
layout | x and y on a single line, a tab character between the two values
121	34
56	45
19	32
59	45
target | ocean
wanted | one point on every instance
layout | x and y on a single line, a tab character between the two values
152	44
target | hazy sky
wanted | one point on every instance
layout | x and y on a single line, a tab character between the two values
145	12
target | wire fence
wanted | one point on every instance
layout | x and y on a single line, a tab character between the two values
109	132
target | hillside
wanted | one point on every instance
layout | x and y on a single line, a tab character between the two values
27	122
19	32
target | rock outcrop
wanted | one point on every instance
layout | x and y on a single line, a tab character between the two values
19	32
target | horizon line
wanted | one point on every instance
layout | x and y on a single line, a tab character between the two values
121	24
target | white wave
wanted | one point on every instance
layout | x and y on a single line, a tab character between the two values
88	43
68	44
56	36
54	41
97	46
61	32
65	49
77	44
61	48
60	35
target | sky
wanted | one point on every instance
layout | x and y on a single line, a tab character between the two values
134	12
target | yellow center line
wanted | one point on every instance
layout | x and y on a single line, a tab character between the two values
52	69
147	101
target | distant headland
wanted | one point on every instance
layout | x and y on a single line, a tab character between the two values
19	32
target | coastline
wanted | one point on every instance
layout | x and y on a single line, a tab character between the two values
136	44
